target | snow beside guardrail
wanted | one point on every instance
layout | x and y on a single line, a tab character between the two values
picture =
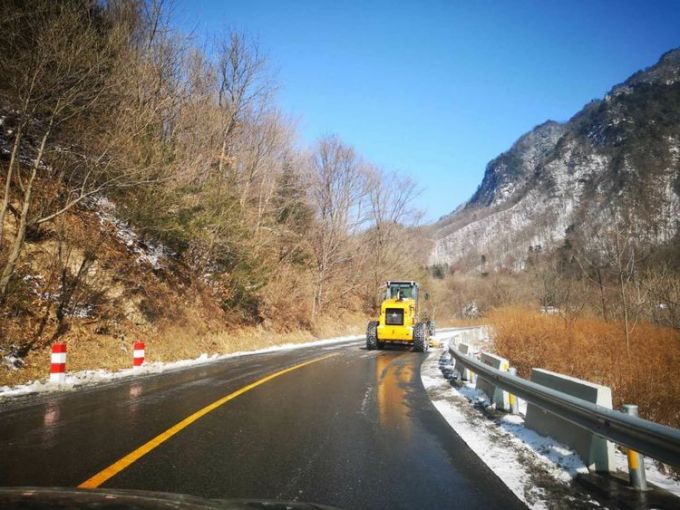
523	459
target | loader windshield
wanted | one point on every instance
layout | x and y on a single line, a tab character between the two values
407	290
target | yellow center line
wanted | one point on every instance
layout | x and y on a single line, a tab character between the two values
115	468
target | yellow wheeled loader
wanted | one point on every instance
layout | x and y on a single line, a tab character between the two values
401	319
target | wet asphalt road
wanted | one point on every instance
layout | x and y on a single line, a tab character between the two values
355	430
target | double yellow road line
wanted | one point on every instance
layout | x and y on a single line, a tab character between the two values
118	466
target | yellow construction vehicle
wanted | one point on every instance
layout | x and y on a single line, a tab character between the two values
401	319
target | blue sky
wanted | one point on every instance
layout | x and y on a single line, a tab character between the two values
436	89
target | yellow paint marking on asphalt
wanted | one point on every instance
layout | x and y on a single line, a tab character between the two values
118	466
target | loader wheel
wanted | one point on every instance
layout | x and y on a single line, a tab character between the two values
420	338
372	335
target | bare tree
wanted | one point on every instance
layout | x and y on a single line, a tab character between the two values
618	248
391	208
592	260
663	285
58	78
243	88
338	192
66	78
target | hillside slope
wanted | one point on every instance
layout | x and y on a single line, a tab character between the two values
617	159
92	281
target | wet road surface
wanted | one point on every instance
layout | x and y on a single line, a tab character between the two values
355	430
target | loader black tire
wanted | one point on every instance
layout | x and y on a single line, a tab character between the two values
372	336
420	338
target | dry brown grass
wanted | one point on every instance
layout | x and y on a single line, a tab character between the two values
594	350
87	351
182	343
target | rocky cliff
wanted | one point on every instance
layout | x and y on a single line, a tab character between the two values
617	160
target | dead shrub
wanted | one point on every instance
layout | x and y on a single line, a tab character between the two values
594	350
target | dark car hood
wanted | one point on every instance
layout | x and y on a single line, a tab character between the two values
38	498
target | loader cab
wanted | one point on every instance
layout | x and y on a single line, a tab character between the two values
402	290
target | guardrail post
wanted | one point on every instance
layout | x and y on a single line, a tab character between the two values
472	376
636	462
462	370
514	404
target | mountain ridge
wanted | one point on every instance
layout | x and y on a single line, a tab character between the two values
561	172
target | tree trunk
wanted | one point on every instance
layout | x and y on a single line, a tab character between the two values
223	155
602	296
625	313
318	294
5	198
18	243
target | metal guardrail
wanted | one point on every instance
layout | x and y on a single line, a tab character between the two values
652	439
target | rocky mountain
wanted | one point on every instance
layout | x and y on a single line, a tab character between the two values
616	161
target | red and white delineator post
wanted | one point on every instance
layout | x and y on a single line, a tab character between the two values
58	366
138	356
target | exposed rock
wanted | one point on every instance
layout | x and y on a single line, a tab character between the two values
617	158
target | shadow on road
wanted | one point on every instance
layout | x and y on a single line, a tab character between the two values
392	348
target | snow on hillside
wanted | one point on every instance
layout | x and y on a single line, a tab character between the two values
146	252
616	157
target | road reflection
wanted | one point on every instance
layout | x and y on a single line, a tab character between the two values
393	375
135	392
50	422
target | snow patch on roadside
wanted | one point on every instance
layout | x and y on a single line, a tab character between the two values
523	459
75	380
518	456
